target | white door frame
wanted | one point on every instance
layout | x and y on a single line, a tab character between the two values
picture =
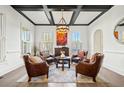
98	41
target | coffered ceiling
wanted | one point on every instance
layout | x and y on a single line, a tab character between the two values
51	14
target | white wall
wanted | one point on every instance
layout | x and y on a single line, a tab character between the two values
84	35
114	51
13	47
81	29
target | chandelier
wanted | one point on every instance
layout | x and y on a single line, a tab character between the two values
62	25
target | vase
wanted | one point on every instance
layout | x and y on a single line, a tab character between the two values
62	54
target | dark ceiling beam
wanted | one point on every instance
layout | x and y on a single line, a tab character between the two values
100	15
28	7
78	25
59	7
76	9
60	24
75	6
41	9
75	14
48	14
97	17
94	10
62	6
97	6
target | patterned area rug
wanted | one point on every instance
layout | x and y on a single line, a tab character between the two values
56	75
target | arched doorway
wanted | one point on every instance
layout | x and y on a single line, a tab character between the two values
98	41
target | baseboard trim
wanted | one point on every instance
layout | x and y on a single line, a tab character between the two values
10	69
114	69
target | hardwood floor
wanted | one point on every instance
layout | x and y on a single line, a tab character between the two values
113	78
9	80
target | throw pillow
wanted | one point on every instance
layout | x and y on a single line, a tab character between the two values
81	54
93	58
42	57
38	59
35	59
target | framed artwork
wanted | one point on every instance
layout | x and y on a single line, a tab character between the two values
61	38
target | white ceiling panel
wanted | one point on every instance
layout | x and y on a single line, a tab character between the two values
38	17
57	15
86	17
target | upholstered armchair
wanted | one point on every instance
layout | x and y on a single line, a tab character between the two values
35	69
79	57
49	58
90	68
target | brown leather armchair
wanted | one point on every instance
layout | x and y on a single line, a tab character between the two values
91	68
49	58
77	58
36	69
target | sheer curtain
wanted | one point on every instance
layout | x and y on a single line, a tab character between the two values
46	43
76	43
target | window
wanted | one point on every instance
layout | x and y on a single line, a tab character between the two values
25	41
2	38
75	42
46	43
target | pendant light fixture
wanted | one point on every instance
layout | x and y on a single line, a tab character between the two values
62	25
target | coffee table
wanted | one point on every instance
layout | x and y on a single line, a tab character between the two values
63	60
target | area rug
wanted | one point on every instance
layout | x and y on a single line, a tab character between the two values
56	75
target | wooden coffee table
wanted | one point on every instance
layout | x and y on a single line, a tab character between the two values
63	60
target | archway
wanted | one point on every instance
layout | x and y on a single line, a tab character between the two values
98	41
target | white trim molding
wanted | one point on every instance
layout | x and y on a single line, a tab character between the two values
114	69
13	51
2	37
11	69
113	51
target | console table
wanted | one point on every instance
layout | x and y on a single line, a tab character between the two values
58	51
